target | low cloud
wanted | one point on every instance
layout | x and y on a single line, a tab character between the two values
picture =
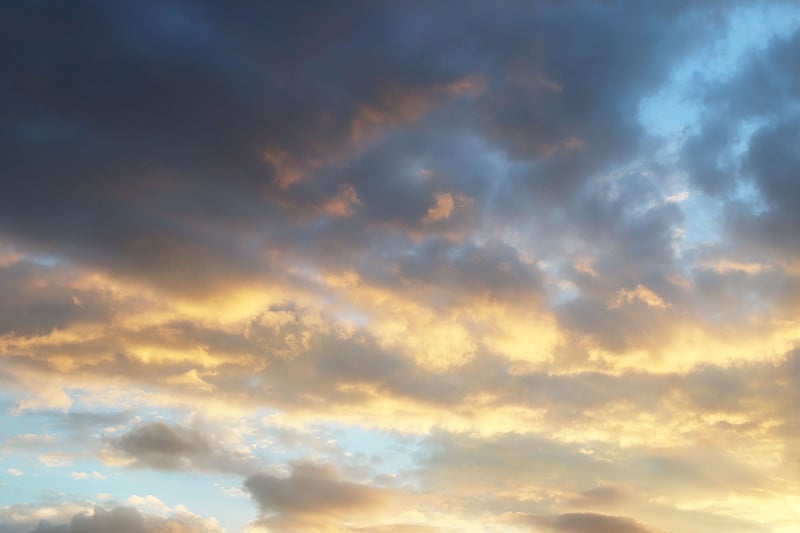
599	497
589	523
75	518
164	446
312	495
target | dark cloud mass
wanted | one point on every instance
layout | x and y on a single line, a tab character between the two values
145	142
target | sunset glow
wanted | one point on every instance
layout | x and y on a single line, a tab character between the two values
401	266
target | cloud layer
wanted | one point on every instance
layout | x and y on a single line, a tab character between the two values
400	266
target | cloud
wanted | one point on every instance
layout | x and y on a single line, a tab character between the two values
88	518
591	523
442	209
521	92
29	440
748	140
445	220
601	496
163	446
55	459
128	520
677	197
24	518
312	494
640	293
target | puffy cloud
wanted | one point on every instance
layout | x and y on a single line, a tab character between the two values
172	447
126	520
312	496
86	518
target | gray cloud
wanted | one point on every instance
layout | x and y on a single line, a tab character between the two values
155	196
600	496
312	493
753	108
475	169
163	176
173	447
38	299
122	519
114	520
591	523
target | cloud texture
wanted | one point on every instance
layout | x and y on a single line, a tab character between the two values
400	266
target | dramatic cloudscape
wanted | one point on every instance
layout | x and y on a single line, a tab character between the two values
400	266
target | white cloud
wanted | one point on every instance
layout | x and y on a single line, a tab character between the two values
149	503
54	459
677	197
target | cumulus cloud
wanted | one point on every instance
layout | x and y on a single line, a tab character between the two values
127	520
312	494
172	447
87	518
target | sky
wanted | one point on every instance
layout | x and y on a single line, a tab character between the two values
400	266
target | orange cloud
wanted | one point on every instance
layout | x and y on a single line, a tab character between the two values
343	203
444	206
640	293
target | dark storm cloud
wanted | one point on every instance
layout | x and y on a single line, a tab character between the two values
163	142
133	125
